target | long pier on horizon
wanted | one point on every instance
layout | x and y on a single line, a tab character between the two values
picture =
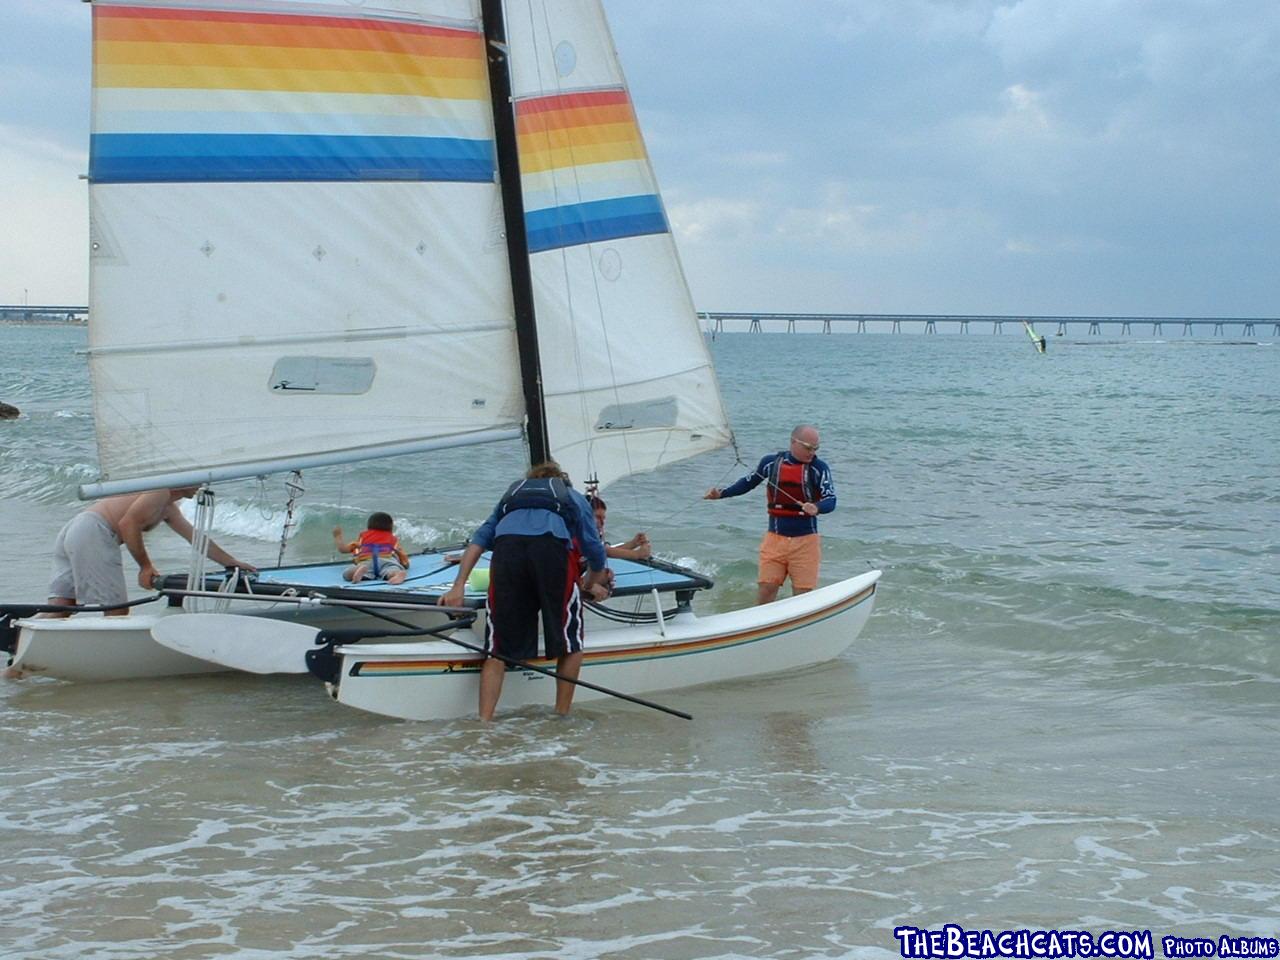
43	313
1247	326
827	322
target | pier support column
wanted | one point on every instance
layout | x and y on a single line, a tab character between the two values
1062	328
1186	329
862	326
1157	328
997	326
1248	330
1124	328
826	325
964	326
755	325
1094	328
897	326
929	327
1217	329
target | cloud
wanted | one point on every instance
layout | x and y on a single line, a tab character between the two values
43	246
711	219
44	68
849	155
1110	151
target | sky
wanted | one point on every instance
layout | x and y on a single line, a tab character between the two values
1020	157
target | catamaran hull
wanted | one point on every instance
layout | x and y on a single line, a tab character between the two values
426	681
93	648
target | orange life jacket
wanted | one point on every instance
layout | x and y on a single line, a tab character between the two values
374	545
787	489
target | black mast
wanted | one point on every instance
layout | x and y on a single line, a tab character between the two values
504	127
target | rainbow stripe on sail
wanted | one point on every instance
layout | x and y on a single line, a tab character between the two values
186	94
584	170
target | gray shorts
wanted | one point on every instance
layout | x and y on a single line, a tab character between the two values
86	563
385	567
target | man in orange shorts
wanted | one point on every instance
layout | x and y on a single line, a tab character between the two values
799	488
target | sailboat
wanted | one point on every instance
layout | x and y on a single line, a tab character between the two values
326	232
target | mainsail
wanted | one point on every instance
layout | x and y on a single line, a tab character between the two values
297	247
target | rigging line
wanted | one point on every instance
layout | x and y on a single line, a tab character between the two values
688	505
294	487
263	503
342	487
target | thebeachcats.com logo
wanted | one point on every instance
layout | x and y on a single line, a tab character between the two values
954	941
1224	946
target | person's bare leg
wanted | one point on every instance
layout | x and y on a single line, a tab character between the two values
58	602
796	591
766	592
491	677
569	666
397	577
17	673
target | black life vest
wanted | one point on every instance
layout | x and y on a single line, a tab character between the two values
543	493
788	488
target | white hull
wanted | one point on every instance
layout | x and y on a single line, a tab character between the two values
438	680
89	647
93	647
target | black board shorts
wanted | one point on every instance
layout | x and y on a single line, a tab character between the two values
528	576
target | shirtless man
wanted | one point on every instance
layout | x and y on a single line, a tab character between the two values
87	568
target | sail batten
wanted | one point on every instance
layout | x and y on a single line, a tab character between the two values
304	339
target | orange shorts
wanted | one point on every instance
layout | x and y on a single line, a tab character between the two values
796	557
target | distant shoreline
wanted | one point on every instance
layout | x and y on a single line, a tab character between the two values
43	322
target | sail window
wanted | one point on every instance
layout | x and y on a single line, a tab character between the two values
659	412
334	375
566	58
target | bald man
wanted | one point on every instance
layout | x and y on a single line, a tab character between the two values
799	488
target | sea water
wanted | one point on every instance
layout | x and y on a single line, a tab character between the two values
1062	715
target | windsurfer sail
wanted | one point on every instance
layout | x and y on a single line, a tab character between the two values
1036	338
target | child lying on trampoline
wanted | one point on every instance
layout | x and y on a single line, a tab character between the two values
377	552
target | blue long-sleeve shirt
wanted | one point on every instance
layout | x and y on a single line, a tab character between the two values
581	526
818	480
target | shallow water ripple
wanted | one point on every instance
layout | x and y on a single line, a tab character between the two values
533	839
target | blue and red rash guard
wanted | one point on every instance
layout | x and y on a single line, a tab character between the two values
790	484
